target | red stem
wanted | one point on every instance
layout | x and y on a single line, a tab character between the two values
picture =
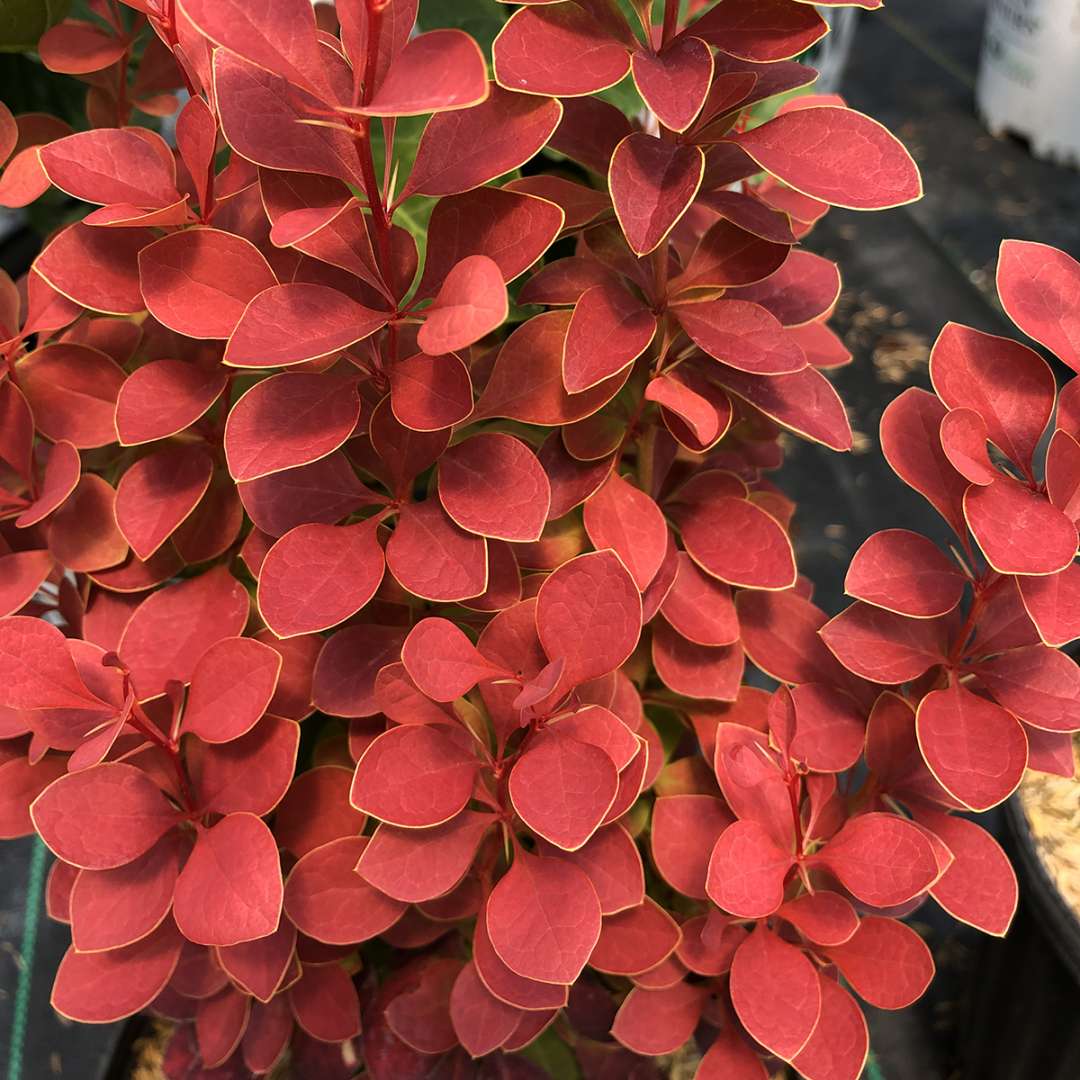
146	727
671	22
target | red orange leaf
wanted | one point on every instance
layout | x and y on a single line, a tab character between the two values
806	287
838	1048
414	865
102	817
527	381
543	919
1009	385
174	626
963	439
836	155
430	393
288	420
886	963
230	888
622	517
262	118
909	441
979	887
804	401
1041	686
157	494
589	614
442	661
430	556
97	268
293	323
1038	288
231	686
881	859
1019	530
198	282
747	871
976	750
279	37
330	902
734	540
882	646
163	397
741	335
102	987
1053	603
685	829
114	908
481	1021
562	788
906	573
826	918
776	993
493	485
470	304
72	390
434	72
461	150
557	49
350	556
414	776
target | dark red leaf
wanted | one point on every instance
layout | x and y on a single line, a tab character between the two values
652	184
658	1021
608	331
761	30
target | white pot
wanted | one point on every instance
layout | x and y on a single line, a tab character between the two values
1029	74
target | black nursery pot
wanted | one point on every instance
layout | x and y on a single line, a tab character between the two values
1021	1019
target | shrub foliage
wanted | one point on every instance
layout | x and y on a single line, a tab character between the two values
387	533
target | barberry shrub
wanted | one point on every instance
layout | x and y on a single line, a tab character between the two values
387	528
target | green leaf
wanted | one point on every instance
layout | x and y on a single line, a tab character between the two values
22	22
482	19
624	95
554	1056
